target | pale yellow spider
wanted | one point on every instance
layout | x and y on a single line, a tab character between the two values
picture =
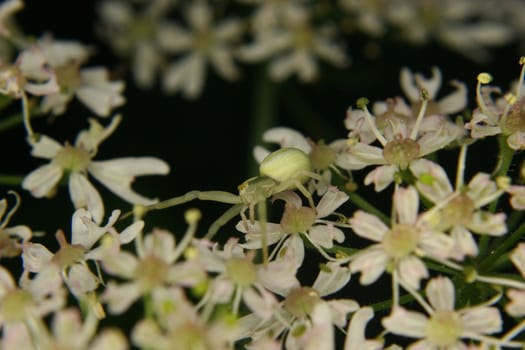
282	170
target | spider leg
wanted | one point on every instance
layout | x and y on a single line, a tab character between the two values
229	214
262	213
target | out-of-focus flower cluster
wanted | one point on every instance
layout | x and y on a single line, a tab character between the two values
443	269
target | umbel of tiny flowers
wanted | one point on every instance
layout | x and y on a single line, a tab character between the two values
76	162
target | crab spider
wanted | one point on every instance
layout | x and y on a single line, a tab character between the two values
282	170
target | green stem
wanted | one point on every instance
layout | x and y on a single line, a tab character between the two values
17	119
505	246
11	180
387	304
264	113
366	206
502	167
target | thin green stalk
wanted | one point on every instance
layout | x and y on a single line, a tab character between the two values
505	246
367	206
16	120
11	180
502	167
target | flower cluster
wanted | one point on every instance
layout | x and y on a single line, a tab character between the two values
371	228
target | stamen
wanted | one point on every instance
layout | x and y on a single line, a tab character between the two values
361	103
483	78
422	111
192	217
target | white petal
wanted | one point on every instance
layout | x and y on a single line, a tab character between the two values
118	174
432	180
355	334
484	320
382	176
120	297
46	148
441	294
287	137
35	257
122	264
331	278
406	202
371	263
84	195
330	201
412	270
368	226
42	181
406	323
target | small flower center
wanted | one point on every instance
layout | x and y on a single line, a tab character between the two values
321	156
515	119
68	255
203	41
16	306
151	272
383	120
68	76
74	159
302	37
444	328
300	302
241	271
400	241
459	211
401	152
297	220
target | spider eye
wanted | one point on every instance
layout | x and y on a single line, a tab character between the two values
286	164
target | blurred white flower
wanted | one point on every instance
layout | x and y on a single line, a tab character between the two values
200	44
132	31
7	10
294	46
90	85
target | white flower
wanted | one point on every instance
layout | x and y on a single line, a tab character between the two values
297	221
300	315
412	84
154	268
454	23
294	47
76	162
200	44
133	32
400	247
461	212
444	327
402	142
71	258
29	74
90	85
